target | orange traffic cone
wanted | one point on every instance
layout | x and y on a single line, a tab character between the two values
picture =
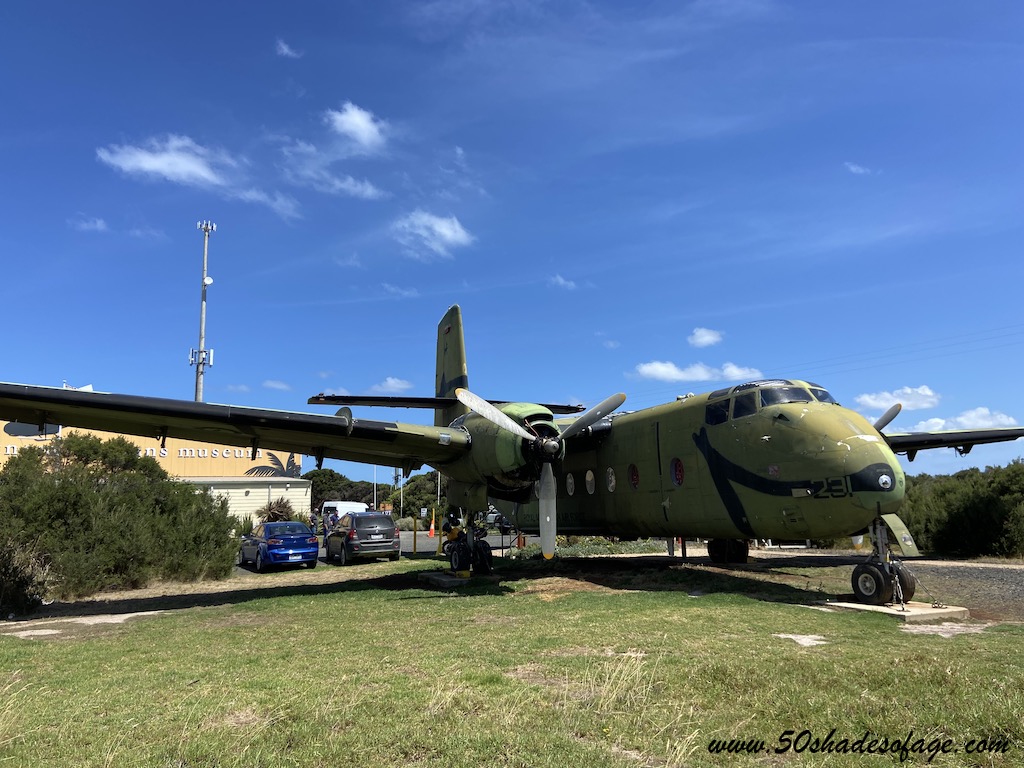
430	533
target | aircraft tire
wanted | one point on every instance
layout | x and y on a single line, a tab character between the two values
907	583
718	550
871	584
739	551
483	563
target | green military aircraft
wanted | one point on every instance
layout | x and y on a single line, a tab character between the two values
771	459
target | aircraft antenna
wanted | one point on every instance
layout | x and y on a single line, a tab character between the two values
202	357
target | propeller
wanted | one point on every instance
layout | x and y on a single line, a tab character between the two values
547	449
887	417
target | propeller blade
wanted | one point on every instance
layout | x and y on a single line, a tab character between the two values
888	416
596	413
548	527
480	406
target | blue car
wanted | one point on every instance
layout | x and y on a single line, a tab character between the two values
287	543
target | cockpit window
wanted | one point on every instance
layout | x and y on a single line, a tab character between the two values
744	405
822	395
717	413
779	395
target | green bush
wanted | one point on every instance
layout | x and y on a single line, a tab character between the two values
23	578
106	518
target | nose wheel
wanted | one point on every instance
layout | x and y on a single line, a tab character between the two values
883	579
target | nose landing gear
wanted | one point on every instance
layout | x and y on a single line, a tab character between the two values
882	578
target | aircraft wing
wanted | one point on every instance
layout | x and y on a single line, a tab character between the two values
961	439
334	437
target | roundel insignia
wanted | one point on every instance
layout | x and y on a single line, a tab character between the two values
677	472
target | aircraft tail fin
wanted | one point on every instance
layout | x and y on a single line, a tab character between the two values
451	365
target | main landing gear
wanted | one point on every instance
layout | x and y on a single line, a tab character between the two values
728	550
882	578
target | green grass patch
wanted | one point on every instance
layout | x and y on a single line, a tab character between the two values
568	665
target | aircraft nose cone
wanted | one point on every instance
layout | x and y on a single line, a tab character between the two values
877	481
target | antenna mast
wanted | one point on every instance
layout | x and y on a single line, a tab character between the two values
202	357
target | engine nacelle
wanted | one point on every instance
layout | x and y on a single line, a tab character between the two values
510	464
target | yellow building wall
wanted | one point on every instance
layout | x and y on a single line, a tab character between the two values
180	458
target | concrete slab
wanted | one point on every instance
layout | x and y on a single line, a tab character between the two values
913	613
444	579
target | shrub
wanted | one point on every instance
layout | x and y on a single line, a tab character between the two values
23	577
277	511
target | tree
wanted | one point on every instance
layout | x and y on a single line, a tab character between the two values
419	491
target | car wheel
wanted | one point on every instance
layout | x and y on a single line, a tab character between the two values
239	560
394	557
343	555
312	563
261	564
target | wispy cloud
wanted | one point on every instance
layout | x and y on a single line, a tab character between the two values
358	125
240	388
402	293
391	386
277	385
176	158
88	224
912	398
976	418
180	160
306	165
285	50
858	170
704	337
560	282
670	372
419	230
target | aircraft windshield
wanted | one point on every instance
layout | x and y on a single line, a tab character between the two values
779	395
823	395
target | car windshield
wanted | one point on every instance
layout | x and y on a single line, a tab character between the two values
288	529
373	521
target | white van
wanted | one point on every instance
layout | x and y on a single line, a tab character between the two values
341	507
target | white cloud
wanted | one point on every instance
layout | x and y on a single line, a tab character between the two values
283	49
976	418
85	224
177	158
912	398
858	170
421	229
283	205
181	160
359	125
704	337
670	372
337	391
610	344
307	166
278	385
560	282
238	388
402	293
391	386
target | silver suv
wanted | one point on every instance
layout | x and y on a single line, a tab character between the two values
363	534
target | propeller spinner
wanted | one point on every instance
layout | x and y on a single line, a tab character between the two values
547	449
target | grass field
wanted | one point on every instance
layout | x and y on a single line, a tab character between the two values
571	664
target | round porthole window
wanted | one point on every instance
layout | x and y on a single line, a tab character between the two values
634	476
570	484
590	481
610	480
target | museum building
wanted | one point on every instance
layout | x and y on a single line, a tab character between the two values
247	482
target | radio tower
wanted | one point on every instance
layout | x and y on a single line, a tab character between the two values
202	357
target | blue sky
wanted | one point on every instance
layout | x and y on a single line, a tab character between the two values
653	198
